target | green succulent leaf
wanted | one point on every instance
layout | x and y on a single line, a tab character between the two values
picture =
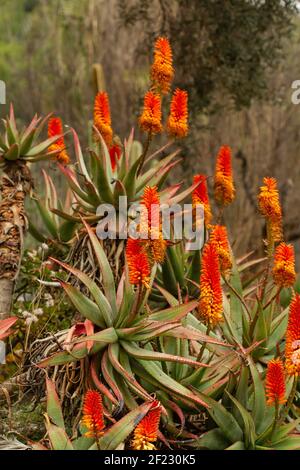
107	275
58	438
259	405
121	430
84	305
142	353
54	410
99	297
224	419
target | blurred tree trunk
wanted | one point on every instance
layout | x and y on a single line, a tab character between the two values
15	184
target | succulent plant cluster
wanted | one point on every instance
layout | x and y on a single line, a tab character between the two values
166	333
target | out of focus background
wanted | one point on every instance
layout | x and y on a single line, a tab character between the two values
237	59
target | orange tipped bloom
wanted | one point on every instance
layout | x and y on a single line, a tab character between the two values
269	206
200	196
292	341
150	225
150	211
55	127
210	304
145	434
92	417
150	120
177	125
115	152
219	238
102	119
138	263
284	265
224	187
275	384
162	71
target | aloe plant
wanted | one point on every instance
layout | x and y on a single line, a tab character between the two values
129	347
17	148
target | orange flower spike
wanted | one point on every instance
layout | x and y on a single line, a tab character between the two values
200	196
224	186
150	120
138	263
219	238
269	206
292	342
157	248
151	224
55	127
211	300
284	274
275	383
92	417
177	125
150	214
145	433
102	119
162	71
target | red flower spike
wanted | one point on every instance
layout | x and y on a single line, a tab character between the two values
211	301
200	196
275	384
219	238
177	125
162	71
269	206
102	119
92	417
292	341
138	263
284	273
145	434
55	127
150	120
224	187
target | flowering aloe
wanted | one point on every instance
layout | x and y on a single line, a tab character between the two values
92	414
292	345
177	124
168	330
123	324
145	434
210	305
162	71
150	120
55	128
275	383
200	197
270	208
224	186
284	273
